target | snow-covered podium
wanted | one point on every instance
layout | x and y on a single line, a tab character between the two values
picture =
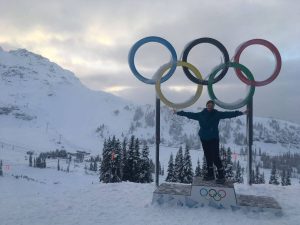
208	193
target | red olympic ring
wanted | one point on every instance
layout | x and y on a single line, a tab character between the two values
224	193
272	48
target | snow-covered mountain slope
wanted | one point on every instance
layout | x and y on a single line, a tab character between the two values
33	196
42	104
44	107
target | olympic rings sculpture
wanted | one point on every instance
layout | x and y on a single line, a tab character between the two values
241	71
212	193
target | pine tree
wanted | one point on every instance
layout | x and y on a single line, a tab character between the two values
95	167
145	172
198	169
44	163
58	167
204	166
30	160
256	175
136	161
110	168
105	171
252	176
171	170
124	165
242	151
91	166
238	174
223	154
159	170
228	168
152	166
187	167
118	158
39	162
283	177
178	170
288	177
234	165
130	159
1	171
274	175
69	162
115	160
85	168
262	179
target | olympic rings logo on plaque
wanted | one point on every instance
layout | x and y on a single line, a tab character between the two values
212	193
243	73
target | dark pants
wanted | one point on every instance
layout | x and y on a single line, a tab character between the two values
211	152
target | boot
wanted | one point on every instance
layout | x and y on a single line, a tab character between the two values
221	176
209	175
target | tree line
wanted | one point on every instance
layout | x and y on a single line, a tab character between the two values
39	162
180	170
125	161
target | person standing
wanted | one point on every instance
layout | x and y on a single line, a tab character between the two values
209	119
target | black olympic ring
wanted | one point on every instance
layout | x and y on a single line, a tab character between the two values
214	42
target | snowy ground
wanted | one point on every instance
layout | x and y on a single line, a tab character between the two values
59	198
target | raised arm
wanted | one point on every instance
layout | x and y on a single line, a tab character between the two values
190	115
228	114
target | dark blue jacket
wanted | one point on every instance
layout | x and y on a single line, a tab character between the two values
209	121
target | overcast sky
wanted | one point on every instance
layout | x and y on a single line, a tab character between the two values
93	38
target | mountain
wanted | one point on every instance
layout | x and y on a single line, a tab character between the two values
42	104
45	107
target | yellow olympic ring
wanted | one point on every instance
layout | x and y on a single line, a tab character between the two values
187	103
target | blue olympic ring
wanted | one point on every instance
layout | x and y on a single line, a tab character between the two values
143	41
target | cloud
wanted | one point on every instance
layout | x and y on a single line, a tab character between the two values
93	38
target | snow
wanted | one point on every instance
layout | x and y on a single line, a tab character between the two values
125	203
61	107
60	198
50	105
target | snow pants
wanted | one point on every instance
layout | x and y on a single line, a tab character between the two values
211	153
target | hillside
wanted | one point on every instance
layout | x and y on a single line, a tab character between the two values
45	107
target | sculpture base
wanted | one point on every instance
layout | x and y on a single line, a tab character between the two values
201	193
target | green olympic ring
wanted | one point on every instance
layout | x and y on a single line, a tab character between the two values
240	103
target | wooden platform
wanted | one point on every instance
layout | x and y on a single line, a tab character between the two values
201	193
